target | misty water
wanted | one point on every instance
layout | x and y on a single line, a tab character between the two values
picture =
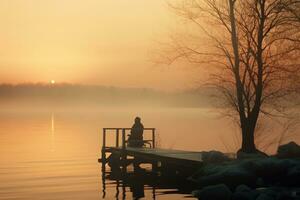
53	155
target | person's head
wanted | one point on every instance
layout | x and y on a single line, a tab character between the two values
137	120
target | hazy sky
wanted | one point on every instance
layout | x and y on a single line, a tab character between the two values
107	42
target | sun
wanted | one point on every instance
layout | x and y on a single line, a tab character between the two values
52	81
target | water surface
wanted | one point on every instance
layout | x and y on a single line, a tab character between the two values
53	155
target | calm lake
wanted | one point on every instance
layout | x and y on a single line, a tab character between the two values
53	155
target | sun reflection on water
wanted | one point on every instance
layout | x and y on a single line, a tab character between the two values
52	133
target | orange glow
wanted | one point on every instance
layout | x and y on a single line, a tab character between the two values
92	41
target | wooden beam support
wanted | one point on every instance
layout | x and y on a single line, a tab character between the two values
153	138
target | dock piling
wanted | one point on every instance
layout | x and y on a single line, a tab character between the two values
103	156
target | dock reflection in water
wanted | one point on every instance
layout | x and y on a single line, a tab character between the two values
144	184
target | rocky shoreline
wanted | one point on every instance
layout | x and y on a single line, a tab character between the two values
250	176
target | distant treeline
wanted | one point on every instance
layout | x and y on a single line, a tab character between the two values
95	95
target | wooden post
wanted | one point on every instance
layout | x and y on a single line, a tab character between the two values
123	138
104	138
153	137
103	157
155	163
124	156
117	137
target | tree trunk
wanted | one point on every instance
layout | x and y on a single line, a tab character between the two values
248	125
248	129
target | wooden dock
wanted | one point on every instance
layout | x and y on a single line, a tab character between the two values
122	155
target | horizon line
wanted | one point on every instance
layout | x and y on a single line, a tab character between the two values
40	83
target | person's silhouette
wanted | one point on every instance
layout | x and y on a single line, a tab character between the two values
136	135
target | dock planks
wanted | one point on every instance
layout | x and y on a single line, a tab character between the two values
167	153
178	157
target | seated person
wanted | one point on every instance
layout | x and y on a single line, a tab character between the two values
136	135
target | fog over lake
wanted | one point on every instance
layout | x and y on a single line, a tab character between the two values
50	142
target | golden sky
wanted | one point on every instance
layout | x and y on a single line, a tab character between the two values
104	42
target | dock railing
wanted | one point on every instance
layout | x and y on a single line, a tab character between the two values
123	132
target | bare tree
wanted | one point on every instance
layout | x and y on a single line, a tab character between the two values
255	47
